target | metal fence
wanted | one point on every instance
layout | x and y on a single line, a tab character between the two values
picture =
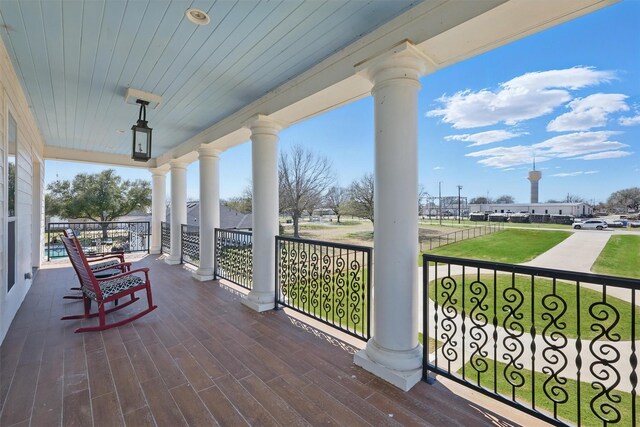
430	243
234	256
190	244
99	237
165	238
330	282
558	345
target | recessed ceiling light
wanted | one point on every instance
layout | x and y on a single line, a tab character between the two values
120	131
197	16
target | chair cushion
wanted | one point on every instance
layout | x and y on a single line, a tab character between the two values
103	264
114	286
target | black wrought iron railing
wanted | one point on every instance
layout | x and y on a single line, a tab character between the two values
330	282
430	243
165	237
190	244
558	345
99	237
234	256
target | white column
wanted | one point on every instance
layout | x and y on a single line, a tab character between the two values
178	208
264	159
209	158
393	353
158	208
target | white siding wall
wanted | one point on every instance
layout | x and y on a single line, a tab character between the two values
29	150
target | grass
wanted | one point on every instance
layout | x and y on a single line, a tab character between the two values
361	235
568	410
566	322
433	343
620	257
508	246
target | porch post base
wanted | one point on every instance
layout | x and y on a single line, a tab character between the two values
172	261
203	275
402	369
259	301
155	251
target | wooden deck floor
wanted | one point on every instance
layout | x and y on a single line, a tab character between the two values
201	358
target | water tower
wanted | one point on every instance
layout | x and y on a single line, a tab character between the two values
535	177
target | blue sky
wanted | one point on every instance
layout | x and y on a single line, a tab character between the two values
569	95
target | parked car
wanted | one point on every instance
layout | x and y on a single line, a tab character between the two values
590	224
617	224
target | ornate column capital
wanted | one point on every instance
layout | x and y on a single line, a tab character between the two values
178	164
403	64
262	124
160	171
209	151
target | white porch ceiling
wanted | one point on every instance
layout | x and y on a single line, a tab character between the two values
290	59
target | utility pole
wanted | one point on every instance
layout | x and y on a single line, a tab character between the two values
459	211
440	201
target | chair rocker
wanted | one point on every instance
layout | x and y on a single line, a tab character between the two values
106	290
102	265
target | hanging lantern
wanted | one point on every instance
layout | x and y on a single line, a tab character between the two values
141	150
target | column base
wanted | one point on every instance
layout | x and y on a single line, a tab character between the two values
203	274
259	301
172	261
155	251
402	369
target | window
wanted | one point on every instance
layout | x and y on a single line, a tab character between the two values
533	211
11	198
560	211
546	211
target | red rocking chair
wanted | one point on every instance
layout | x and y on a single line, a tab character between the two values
102	265
106	289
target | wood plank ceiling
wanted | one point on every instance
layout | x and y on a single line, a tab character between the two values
75	59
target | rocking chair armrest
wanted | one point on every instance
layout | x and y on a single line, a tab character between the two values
126	265
144	270
102	257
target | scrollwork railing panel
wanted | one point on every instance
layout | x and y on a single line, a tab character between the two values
558	345
327	281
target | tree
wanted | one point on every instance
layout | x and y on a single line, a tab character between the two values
628	198
361	197
481	200
337	200
242	203
98	197
505	199
422	194
572	198
304	177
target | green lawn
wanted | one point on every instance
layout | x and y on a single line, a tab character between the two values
621	257
566	411
508	300
512	246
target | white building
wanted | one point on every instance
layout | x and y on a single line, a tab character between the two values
572	209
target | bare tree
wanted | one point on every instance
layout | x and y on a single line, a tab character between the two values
242	203
304	177
505	199
480	200
623	200
336	200
572	198
361	197
422	194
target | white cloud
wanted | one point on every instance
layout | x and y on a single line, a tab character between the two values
437	168
483	138
606	155
630	121
579	143
589	112
566	174
589	145
522	98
